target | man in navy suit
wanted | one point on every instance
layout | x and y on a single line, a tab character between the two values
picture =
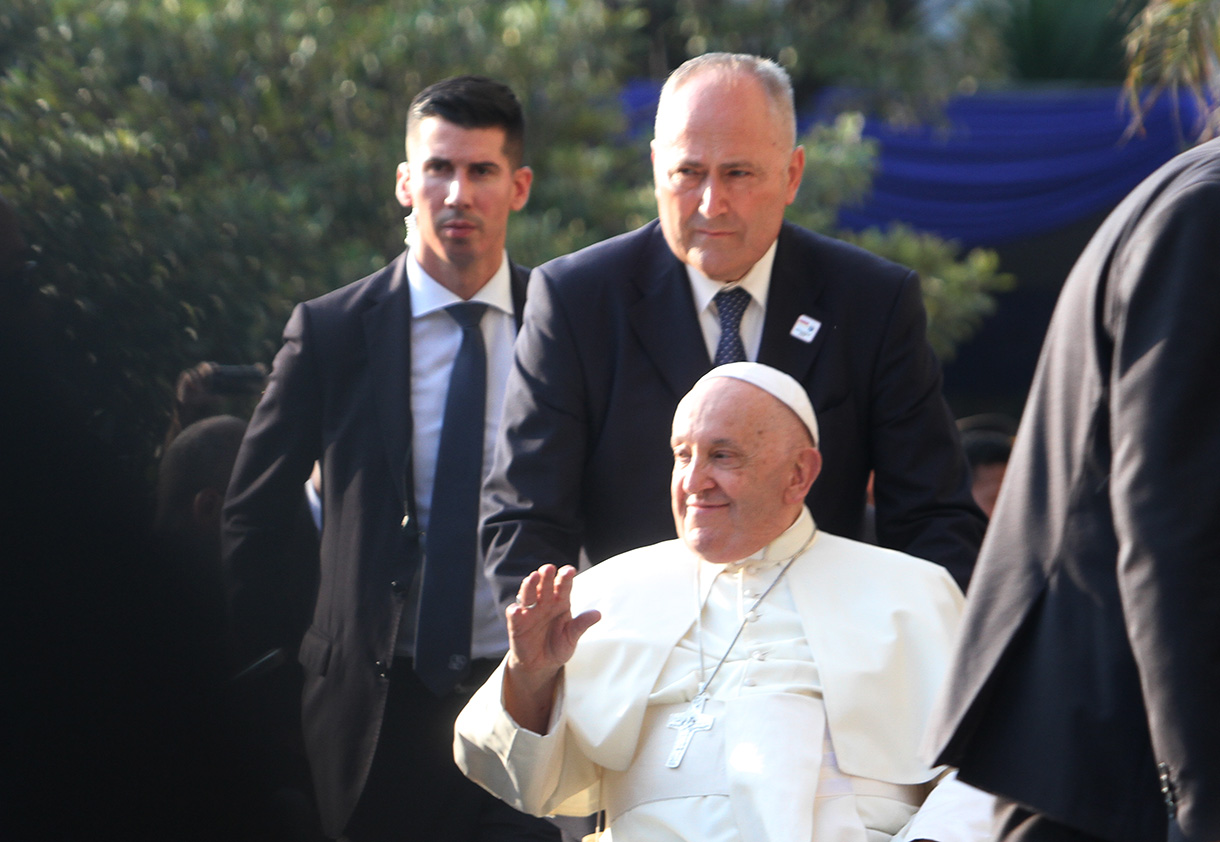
615	334
361	384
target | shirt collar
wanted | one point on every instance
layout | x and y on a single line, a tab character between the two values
782	549
757	281
427	294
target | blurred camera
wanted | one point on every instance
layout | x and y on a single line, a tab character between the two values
237	379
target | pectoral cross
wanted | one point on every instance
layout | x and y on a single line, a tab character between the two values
687	723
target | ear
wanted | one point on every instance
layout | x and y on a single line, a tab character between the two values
796	169
315	476
205	508
402	185
807	464
523	177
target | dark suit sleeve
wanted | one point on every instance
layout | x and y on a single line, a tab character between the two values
268	554
922	483
531	503
1165	486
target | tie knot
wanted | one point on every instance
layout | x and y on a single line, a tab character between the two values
467	313
731	303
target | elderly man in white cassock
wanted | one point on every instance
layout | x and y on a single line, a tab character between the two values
755	679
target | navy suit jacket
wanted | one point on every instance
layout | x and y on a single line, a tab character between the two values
1087	679
611	343
340	392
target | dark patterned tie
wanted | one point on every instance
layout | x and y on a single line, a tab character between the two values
730	304
446	594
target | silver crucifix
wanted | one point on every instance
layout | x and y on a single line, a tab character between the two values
687	723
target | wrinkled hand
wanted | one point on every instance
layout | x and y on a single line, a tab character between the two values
542	635
541	630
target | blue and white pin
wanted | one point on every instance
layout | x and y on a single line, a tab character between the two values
806	328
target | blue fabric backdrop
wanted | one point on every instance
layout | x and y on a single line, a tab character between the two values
1008	165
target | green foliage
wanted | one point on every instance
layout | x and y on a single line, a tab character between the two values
1174	45
839	167
899	64
190	169
1078	41
957	293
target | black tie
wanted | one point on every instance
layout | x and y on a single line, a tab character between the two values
730	304
446	594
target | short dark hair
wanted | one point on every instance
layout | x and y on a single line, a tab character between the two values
986	447
200	457
473	102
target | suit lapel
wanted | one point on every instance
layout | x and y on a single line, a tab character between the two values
387	335
796	290
664	320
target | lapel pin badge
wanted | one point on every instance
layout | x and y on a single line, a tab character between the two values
806	328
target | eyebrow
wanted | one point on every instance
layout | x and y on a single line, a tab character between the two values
437	159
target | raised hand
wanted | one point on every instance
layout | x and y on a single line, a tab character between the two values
542	635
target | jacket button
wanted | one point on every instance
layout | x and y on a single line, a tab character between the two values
382	668
398	586
1171	797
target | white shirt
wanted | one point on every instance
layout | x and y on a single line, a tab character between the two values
757	282
435	338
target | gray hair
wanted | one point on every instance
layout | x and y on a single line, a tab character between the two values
773	78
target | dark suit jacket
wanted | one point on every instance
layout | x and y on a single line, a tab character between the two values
611	343
1091	648
339	392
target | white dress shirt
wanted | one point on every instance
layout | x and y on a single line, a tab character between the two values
435	338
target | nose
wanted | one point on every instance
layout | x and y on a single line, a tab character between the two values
695	476
458	191
711	201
